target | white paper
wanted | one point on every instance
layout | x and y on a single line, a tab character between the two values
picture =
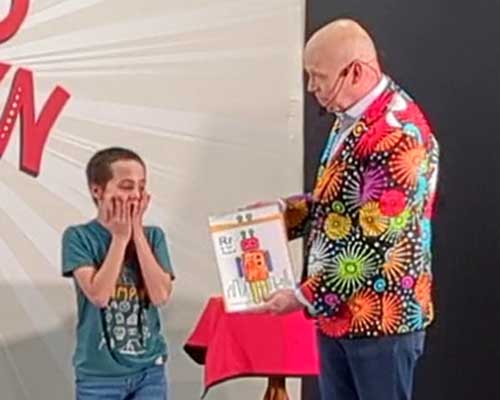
252	254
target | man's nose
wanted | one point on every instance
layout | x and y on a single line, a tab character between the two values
310	86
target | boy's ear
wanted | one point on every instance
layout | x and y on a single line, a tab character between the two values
96	191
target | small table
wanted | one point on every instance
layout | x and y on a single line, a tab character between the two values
232	345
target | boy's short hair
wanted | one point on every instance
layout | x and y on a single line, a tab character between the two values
98	168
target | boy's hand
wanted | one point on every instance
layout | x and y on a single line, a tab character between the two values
138	210
117	214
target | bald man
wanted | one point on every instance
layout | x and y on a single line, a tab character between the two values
367	223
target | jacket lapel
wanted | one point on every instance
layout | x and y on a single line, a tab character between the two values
360	131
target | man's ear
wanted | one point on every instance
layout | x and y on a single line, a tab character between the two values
357	72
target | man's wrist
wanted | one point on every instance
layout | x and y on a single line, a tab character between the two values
302	300
282	204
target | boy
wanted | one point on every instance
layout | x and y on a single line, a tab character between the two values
122	275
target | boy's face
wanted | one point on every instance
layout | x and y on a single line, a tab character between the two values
128	182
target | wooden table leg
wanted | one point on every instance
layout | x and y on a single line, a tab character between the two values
276	389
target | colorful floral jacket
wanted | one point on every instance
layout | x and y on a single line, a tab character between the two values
368	224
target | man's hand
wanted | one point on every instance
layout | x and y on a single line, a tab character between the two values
138	210
281	302
117	217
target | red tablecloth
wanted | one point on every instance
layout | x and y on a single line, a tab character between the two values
240	344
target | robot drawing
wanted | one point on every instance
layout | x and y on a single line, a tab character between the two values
254	264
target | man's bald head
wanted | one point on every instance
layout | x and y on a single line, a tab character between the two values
335	47
342	41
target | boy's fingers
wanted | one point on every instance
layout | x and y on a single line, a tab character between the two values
141	204
127	211
134	208
116	210
121	213
107	205
113	208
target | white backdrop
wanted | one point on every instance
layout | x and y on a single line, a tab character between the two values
208	91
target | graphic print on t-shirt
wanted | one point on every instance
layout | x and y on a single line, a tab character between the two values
125	319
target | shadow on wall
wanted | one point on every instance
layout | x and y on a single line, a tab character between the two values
35	358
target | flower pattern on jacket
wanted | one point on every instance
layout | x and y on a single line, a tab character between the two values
368	224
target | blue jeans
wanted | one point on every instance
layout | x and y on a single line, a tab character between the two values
369	369
150	384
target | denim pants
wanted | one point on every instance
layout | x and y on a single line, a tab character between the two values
150	384
369	369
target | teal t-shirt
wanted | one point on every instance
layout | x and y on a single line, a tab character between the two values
126	336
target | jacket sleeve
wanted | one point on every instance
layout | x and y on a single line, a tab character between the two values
297	214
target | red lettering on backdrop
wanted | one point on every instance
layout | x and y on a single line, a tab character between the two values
11	24
21	101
